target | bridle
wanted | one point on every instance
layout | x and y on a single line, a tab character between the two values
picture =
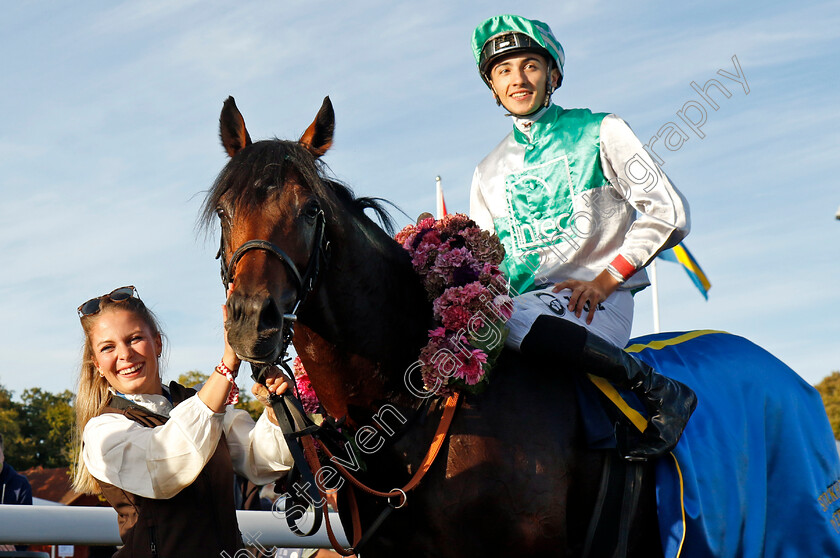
318	256
287	408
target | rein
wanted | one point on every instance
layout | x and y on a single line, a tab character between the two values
359	541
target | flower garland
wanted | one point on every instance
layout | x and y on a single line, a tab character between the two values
459	265
305	391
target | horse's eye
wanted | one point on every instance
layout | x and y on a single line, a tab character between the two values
221	213
311	210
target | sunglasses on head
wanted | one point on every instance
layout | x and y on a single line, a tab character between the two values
93	305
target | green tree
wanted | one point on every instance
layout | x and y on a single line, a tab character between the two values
9	425
248	403
829	389
192	378
46	423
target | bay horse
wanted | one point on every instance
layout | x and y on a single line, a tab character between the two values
513	478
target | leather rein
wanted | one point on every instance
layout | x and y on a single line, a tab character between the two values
298	430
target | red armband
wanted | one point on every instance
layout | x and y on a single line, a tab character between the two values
623	267
233	396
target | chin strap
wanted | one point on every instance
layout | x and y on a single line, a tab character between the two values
548	91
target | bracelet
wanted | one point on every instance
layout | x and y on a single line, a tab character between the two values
233	396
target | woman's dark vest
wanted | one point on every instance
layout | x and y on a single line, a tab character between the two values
198	521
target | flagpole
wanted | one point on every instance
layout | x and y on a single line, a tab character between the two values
441	204
655	293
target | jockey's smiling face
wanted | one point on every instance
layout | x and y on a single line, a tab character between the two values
519	80
126	351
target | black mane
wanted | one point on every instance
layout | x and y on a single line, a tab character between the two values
264	165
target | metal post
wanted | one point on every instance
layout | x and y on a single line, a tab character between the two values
441	204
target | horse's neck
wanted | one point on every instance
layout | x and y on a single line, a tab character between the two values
366	323
342	380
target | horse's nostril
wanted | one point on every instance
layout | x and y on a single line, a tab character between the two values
232	310
236	307
254	308
270	315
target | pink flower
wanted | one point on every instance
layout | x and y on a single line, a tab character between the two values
427	223
305	391
455	317
504	305
421	258
436	367
453	258
432	237
472	372
456	222
403	235
473	290
437	333
476	322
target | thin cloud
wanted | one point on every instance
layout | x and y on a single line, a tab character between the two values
112	135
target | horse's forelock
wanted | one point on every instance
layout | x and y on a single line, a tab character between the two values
248	176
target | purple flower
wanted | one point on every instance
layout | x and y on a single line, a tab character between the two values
464	274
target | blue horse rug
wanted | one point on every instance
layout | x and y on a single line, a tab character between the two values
757	472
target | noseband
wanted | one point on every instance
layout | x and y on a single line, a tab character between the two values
303	284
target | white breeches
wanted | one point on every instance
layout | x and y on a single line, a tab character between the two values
612	321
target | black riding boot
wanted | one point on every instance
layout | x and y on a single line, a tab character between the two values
669	403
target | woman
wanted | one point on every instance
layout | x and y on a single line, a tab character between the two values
164	456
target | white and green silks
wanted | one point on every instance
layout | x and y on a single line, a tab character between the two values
562	191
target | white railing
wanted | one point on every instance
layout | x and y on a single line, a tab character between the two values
83	525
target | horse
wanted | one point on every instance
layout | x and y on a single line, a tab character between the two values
513	476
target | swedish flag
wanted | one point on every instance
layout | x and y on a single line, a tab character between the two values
680	254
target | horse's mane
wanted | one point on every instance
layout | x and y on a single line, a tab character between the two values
265	165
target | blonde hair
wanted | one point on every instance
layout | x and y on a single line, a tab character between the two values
92	392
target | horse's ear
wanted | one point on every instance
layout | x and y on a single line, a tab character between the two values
318	137
232	129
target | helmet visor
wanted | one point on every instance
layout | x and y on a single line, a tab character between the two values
506	43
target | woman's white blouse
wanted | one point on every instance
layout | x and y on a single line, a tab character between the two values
159	462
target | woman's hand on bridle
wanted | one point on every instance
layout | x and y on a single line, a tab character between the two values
275	384
276	381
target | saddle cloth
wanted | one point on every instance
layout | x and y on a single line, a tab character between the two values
757	472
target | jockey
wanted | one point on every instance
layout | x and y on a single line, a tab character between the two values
581	209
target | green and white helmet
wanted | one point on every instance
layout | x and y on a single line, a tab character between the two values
501	35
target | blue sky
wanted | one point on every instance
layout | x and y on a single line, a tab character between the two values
110	137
